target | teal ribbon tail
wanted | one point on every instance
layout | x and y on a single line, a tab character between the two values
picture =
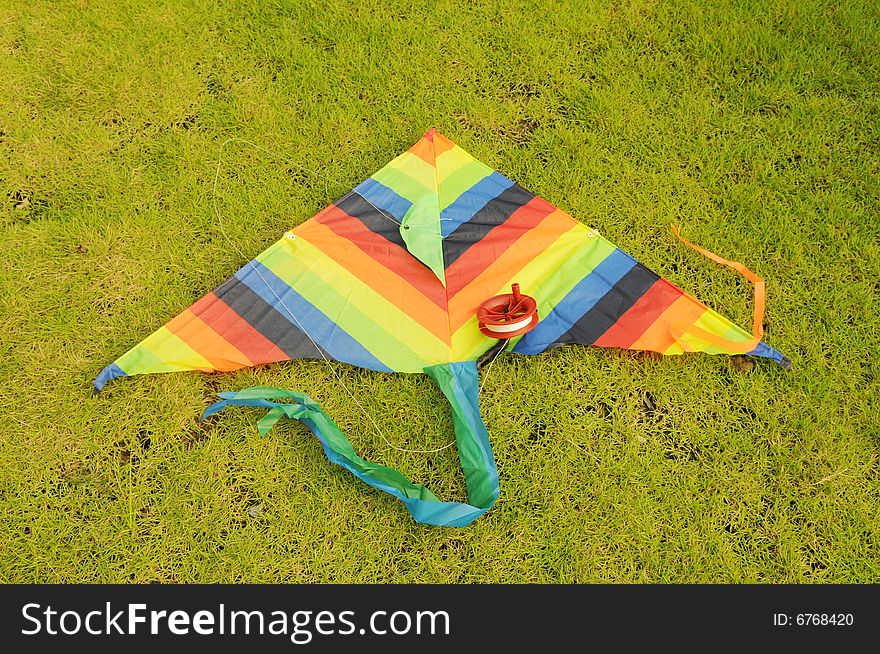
459	383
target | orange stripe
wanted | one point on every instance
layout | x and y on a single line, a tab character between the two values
531	243
658	337
441	144
760	289
424	150
396	259
219	352
378	278
479	256
633	323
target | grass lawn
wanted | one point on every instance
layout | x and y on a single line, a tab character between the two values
752	125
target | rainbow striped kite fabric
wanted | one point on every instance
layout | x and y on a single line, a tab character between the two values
390	276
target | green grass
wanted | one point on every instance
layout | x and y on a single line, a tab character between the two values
752	125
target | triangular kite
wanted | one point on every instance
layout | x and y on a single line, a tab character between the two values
390	278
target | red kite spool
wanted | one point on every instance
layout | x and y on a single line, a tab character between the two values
508	315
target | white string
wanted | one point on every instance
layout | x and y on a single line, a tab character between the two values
291	314
489	367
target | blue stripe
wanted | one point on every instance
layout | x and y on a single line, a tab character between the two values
384	198
471	201
109	373
326	333
579	300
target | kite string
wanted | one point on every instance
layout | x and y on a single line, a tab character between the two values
489	367
292	315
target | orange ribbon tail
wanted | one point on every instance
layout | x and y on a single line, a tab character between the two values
760	289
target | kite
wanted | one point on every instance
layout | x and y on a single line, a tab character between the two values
425	267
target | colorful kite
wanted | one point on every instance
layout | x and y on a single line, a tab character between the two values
392	278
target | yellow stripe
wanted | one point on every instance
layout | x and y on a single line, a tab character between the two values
693	343
162	351
547	278
387	332
451	160
717	324
415	168
402	183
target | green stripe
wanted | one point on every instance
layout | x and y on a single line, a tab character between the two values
354	306
161	351
548	278
561	279
402	184
461	180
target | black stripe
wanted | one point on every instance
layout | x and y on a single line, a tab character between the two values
373	219
607	311
265	319
495	212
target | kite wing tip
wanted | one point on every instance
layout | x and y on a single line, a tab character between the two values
764	350
107	374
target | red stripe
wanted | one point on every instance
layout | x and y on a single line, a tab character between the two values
632	324
235	329
379	248
484	252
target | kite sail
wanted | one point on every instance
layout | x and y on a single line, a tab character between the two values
390	278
